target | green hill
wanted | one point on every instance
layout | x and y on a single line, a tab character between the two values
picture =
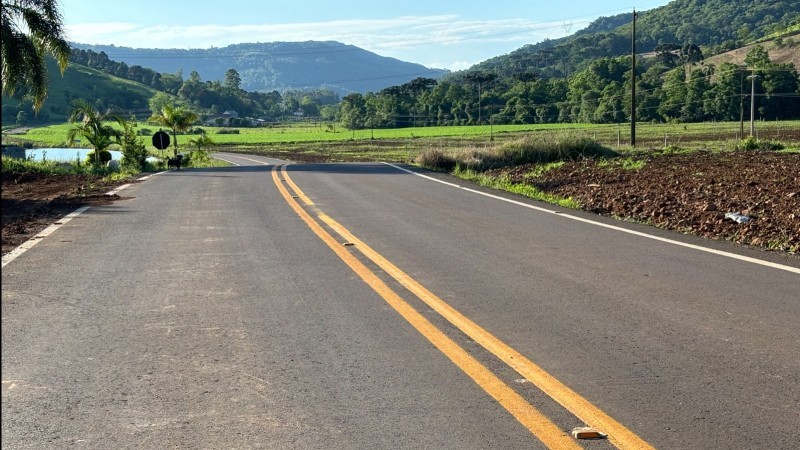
80	82
717	26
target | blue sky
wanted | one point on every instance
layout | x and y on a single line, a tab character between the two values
446	34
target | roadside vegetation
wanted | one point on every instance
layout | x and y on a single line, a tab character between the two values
475	148
504	183
527	150
14	167
541	152
304	137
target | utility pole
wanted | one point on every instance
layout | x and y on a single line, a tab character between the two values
633	81
491	125
479	102
480	78
753	105
741	103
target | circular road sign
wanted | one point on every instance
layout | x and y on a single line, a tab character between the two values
160	140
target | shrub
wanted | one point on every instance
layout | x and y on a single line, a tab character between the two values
541	149
21	166
228	131
751	143
134	152
436	159
545	150
200	156
105	157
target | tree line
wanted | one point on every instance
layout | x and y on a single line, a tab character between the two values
600	93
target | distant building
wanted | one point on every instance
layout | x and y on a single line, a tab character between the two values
223	119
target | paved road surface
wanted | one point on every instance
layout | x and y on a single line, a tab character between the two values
204	312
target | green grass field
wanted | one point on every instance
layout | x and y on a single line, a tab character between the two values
317	142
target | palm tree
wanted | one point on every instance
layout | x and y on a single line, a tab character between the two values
23	54
201	141
176	119
92	125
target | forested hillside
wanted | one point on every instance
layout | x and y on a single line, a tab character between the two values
716	26
586	77
267	67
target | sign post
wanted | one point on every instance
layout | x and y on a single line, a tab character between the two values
161	140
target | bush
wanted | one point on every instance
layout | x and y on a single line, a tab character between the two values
105	157
21	166
545	150
436	159
200	156
228	131
751	143
134	155
541	149
186	159
134	152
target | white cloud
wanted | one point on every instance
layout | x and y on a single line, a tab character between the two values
454	66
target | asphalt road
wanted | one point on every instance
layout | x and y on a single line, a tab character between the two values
203	311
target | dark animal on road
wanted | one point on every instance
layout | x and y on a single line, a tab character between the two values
175	162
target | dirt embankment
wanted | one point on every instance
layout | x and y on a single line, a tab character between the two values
31	202
690	192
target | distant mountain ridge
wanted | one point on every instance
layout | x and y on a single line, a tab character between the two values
265	67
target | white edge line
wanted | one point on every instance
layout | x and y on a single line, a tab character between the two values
246	159
229	162
115	191
612	227
27	245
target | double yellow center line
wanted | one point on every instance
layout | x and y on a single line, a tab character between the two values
539	425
